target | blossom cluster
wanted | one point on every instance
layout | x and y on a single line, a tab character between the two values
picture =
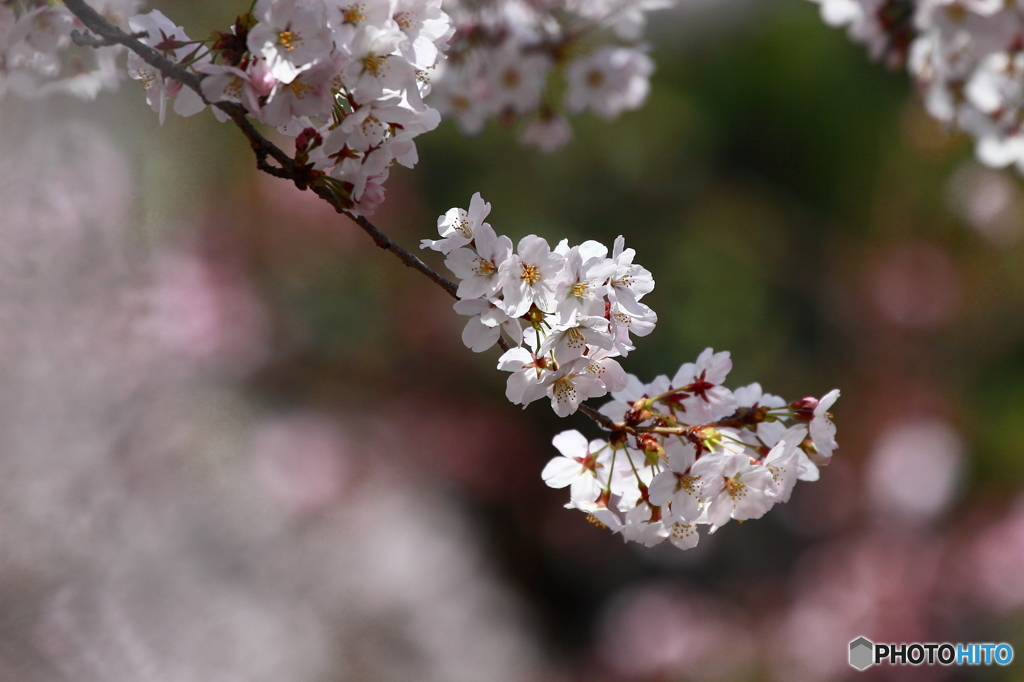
687	451
967	57
37	57
347	77
569	311
350	76
503	56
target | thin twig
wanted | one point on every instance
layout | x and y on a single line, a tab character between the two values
598	417
87	40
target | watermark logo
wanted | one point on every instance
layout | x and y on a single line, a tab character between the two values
864	653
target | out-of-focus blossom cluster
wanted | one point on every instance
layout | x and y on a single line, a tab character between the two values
695	453
569	311
967	57
506	59
133	470
346	78
37	57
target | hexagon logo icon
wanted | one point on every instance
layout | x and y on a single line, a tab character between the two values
862	653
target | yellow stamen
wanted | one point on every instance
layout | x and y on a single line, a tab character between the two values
289	40
405	20
485	267
353	14
737	489
374	64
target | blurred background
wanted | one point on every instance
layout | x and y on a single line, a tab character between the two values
238	442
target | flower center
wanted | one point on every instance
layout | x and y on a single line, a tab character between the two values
574	338
581	290
530	274
736	488
625	281
511	79
595	79
289	40
564	390
353	14
462	227
405	20
234	88
484	267
681	531
299	89
372	126
374	64
147	78
689	483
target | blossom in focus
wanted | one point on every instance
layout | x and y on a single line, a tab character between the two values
166	37
528	276
291	35
458	226
583	466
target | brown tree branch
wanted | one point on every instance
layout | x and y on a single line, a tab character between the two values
264	149
261	146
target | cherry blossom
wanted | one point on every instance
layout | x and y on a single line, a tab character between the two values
528	276
291	35
530	375
609	81
737	488
583	466
572	384
503	57
347	80
965	57
698	390
458	226
822	430
673	470
478	269
168	38
487	323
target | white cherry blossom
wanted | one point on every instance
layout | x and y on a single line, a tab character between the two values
528	276
571	341
735	487
582	466
699	391
458	226
822	430
530	376
478	268
159	90
572	384
608	81
677	484
291	35
487	323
